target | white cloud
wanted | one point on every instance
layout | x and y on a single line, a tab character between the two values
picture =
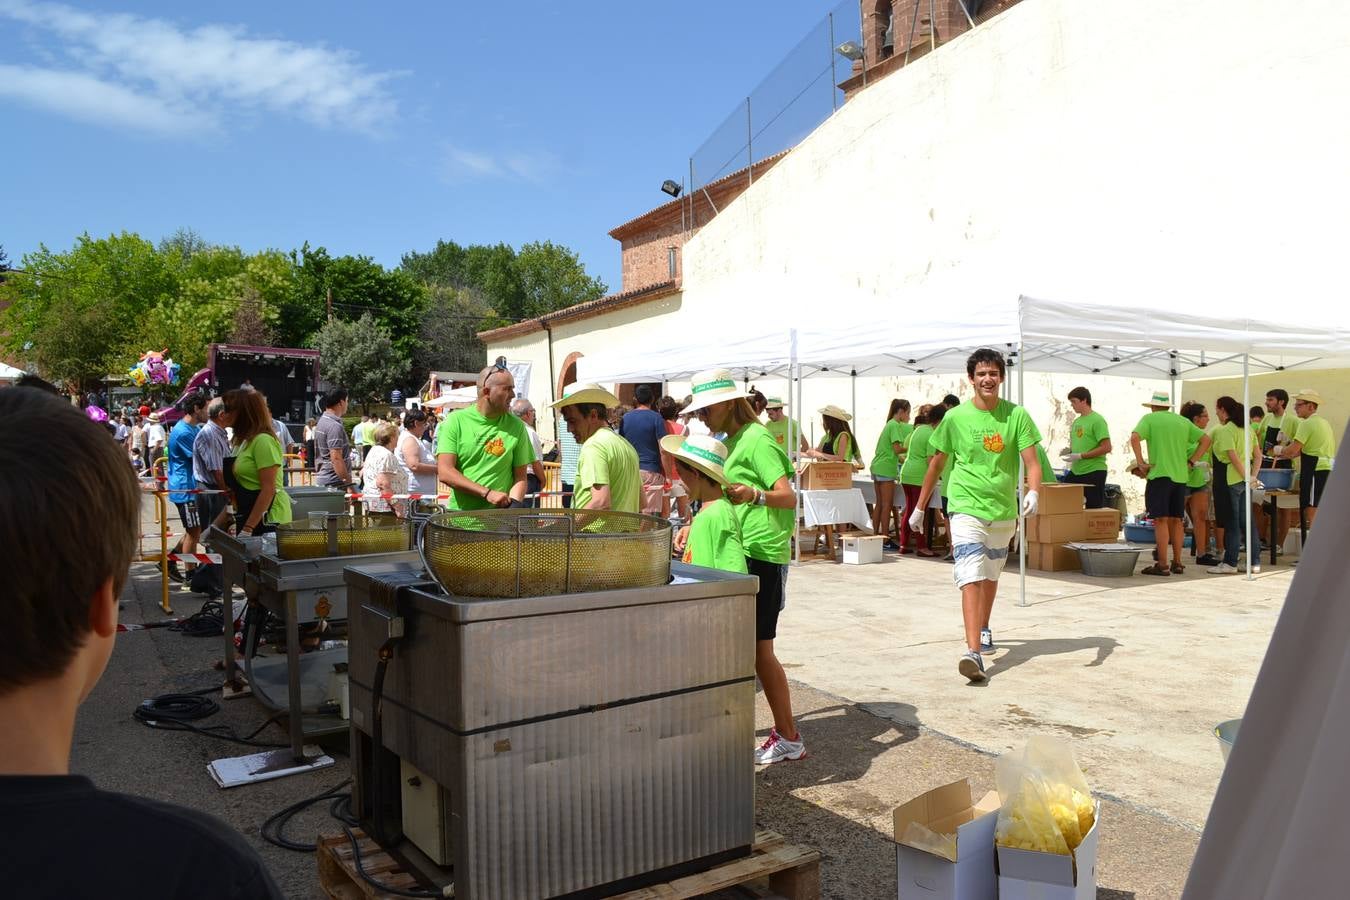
461	164
214	69
86	99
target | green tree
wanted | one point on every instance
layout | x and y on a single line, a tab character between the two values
360	285
541	278
361	356
552	278
73	314
447	337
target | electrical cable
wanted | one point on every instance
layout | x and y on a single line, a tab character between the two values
209	621
447	891
274	829
177	712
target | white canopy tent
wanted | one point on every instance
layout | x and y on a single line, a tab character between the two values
936	336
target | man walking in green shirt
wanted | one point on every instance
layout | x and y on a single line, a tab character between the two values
1089	442
985	438
607	467
482	451
1168	471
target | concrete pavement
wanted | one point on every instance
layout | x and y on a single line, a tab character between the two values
1134	672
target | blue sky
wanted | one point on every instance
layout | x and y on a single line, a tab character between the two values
366	128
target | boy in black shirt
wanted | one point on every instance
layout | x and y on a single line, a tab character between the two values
69	519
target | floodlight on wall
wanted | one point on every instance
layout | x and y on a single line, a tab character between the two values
673	188
850	50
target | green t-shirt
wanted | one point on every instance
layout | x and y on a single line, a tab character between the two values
1227	437
254	455
755	459
715	539
946	482
1199	477
1088	431
606	458
1168	435
986	445
827	445
488	451
1047	470
779	430
884	461
916	456
1318	440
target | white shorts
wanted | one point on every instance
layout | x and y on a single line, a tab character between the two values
980	548
677	489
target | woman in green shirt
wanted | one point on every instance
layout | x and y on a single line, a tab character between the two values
911	478
759	489
839	444
1197	489
886	471
255	469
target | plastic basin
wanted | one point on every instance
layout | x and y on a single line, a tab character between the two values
1276	479
1226	733
1140	534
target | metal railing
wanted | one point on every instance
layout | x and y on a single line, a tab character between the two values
856	42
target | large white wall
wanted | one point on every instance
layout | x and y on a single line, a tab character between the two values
1187	151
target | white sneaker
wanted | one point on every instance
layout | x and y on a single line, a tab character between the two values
1222	569
777	748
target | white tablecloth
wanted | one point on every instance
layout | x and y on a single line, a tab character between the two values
836	508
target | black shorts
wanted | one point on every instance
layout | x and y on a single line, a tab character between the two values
189	515
1165	498
771	598
1094	487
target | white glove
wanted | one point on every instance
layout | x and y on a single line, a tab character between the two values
916	520
1200	464
1071	458
1030	502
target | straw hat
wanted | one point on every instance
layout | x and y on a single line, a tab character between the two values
836	413
1308	395
713	386
699	451
586	393
774	403
154	418
1160	400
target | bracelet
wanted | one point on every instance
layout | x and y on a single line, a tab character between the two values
761	499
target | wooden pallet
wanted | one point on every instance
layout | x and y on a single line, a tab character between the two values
793	872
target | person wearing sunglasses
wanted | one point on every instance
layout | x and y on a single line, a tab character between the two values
482	451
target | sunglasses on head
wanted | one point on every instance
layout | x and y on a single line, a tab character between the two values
498	365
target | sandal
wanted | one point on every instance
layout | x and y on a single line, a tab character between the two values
927	554
1155	569
1178	568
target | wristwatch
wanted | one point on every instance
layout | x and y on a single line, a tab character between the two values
761	499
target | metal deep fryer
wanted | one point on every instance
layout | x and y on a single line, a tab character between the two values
559	745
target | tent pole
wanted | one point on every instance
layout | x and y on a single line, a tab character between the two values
1253	541
1021	479
853	383
793	456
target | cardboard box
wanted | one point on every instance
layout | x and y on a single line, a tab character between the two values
862	549
1060	499
956	863
1028	875
1052	558
827	476
1100	525
1043	529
